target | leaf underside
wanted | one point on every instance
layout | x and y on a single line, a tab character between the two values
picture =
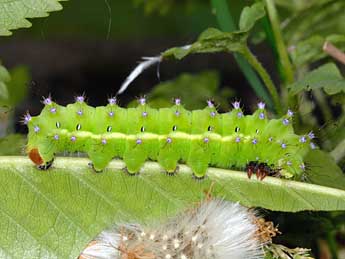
54	213
14	13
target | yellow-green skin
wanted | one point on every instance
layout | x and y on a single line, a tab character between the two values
199	138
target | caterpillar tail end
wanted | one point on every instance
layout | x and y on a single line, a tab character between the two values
36	158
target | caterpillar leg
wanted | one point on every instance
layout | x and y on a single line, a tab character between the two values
36	157
125	169
260	169
99	160
199	165
92	166
251	168
46	165
134	160
175	172
168	160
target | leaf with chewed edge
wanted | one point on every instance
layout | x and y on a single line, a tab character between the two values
14	13
54	213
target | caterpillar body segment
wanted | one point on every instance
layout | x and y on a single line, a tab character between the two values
199	138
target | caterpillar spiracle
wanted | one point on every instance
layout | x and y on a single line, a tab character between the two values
199	138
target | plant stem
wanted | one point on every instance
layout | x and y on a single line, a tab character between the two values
281	48
226	23
265	78
325	109
339	151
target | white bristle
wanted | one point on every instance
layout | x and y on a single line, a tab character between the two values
216	229
148	62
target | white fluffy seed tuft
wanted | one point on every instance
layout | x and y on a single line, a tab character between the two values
216	229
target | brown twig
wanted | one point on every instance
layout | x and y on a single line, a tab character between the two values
334	52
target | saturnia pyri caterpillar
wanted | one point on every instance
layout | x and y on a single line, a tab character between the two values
199	138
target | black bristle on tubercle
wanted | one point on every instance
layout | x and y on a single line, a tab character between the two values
26	118
173	173
142	100
47	100
199	178
176	100
81	98
112	100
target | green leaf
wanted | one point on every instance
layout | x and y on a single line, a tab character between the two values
318	18
55	213
213	40
210	41
327	77
324	170
4	79
12	144
18	86
14	13
13	85
250	15
310	50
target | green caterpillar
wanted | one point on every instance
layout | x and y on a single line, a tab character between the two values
199	138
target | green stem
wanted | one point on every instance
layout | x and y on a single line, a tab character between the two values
325	109
281	48
338	153
226	23
265	78
332	244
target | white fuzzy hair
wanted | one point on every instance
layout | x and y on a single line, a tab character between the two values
216	229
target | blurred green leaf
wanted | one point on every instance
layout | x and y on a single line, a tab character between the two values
4	74
14	14
194	90
18	86
327	77
299	5
55	213
210	41
315	18
4	79
13	86
310	50
324	170
250	15
12	144
338	99
213	40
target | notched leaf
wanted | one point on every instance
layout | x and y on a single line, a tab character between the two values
250	15
14	14
213	40
327	77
